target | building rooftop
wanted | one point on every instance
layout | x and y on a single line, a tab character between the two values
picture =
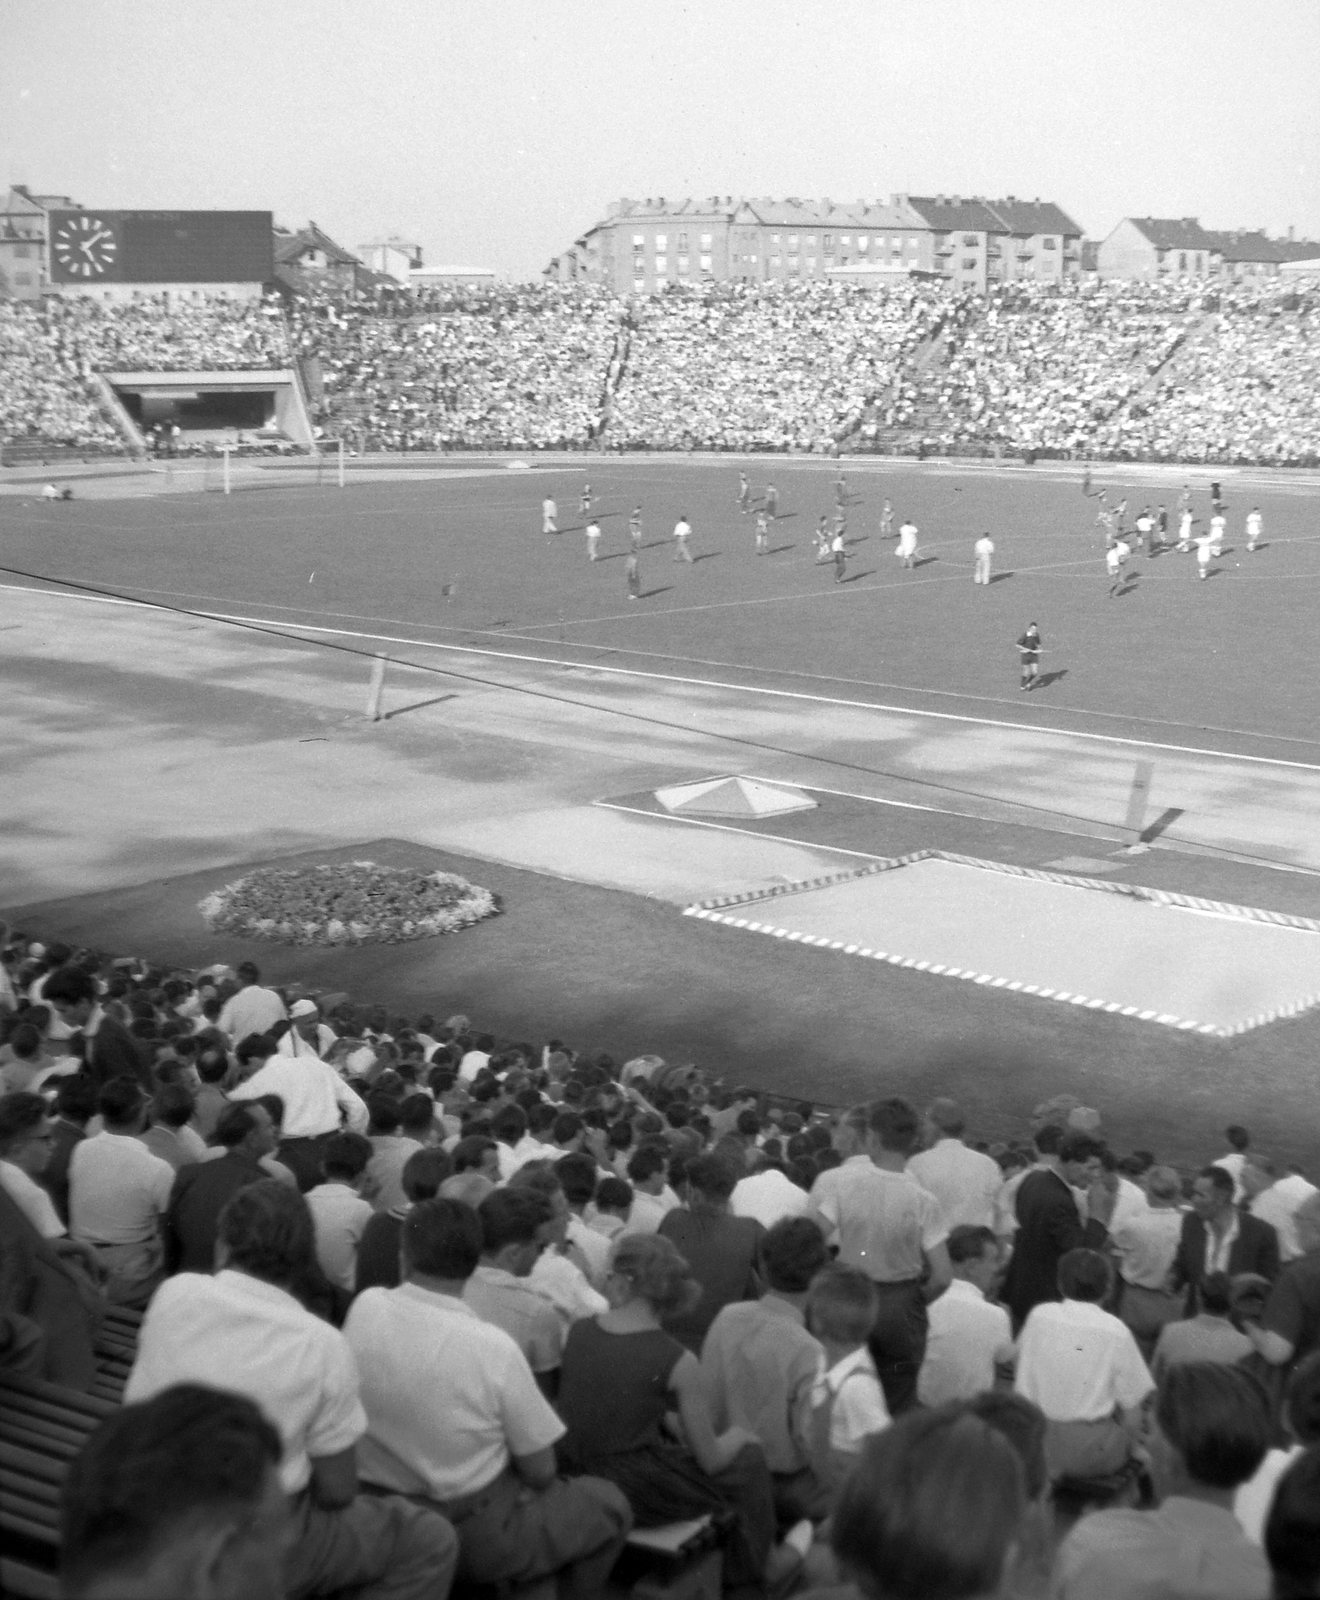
1176	233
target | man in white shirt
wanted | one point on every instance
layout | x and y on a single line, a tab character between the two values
314	1097
579	1178
253	1009
652	1197
983	549
682	533
849	1139
340	1214
768	1194
454	1415
118	1195
965	1182
244	1328
1275	1200
967	1337
391	1149
515	1228
25	1142
1081	1366
891	1228
308	1036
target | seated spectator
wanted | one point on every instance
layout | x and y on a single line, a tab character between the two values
1024	1426
476	1153
246	1324
556	1273
1146	1245
252	1009
1290	1326
118	1195
761	1366
967	1336
106	1044
1211	1430
848	1401
390	1150
24	1059
721	1250
1081	1366
586	1246
1292	1532
169	1135
1301	1419
1208	1336
1217	1237
515	1227
75	1106
965	1182
339	1212
25	1139
647	1168
609	1213
378	1249
176	1499
768	1194
455	1415
211	1099
622	1374
201	1190
932	1509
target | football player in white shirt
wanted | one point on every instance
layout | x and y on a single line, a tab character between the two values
1253	527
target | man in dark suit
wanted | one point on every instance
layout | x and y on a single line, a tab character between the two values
1217	1237
108	1048
203	1188
1049	1222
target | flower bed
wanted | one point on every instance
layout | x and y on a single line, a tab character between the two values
354	903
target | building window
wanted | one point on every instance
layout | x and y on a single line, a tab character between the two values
752	259
22	252
792	241
829	246
661	282
639	239
792	263
811	242
1050	244
706	241
662	241
1182	261
705	263
639	285
969	263
682	263
661	265
775	240
845	239
811	263
863	242
969	241
914	244
682	241
774	260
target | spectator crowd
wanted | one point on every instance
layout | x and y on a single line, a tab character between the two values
1124	371
427	1309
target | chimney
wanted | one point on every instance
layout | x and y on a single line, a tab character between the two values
660	202
1290	233
1010	200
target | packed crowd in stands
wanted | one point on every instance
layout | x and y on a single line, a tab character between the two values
1127	371
425	1308
509	368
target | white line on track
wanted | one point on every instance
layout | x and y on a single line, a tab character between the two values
698	683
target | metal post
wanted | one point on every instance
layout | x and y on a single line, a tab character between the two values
341	463
1138	799
225	453
377	687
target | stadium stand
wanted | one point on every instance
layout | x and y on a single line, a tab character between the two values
1124	371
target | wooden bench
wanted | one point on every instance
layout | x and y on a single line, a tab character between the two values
115	1349
42	1429
677	1561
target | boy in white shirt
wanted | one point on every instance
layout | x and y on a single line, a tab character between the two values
848	1404
340	1214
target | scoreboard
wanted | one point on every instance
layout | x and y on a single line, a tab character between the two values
90	247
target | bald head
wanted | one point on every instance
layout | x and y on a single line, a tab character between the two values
946	1116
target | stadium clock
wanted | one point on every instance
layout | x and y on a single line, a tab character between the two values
85	246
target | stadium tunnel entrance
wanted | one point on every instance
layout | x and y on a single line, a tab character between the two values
215	406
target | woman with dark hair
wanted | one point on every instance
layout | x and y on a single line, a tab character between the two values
621	1376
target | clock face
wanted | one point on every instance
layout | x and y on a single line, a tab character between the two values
85	246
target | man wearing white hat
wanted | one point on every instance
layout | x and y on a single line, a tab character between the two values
308	1036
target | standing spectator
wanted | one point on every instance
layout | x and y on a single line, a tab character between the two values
1049	1225
1290	1327
118	1196
1207	1336
169	1136
1146	1245
308	1036
849	1139
178	1498
965	1182
647	1167
253	1009
1301	1419
314	1097
107	1046
968	1337
202	1190
1275	1200
768	1194
453	1413
1217	1237
1081	1366
378	1248
761	1365
890	1228
211	1101
720	1249
75	1106
390	1151
516	1225
339	1212
1211	1431
1239	1140
246	1323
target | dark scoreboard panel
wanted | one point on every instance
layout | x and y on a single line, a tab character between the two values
160	246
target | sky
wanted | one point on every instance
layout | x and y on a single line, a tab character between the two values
494	132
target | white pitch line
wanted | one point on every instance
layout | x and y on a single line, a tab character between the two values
700	683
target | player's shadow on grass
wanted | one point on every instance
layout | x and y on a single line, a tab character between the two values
1047	678
861	538
780	548
923	561
418	705
647	593
854	576
656	544
783	516
614	555
710	555
1000	577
